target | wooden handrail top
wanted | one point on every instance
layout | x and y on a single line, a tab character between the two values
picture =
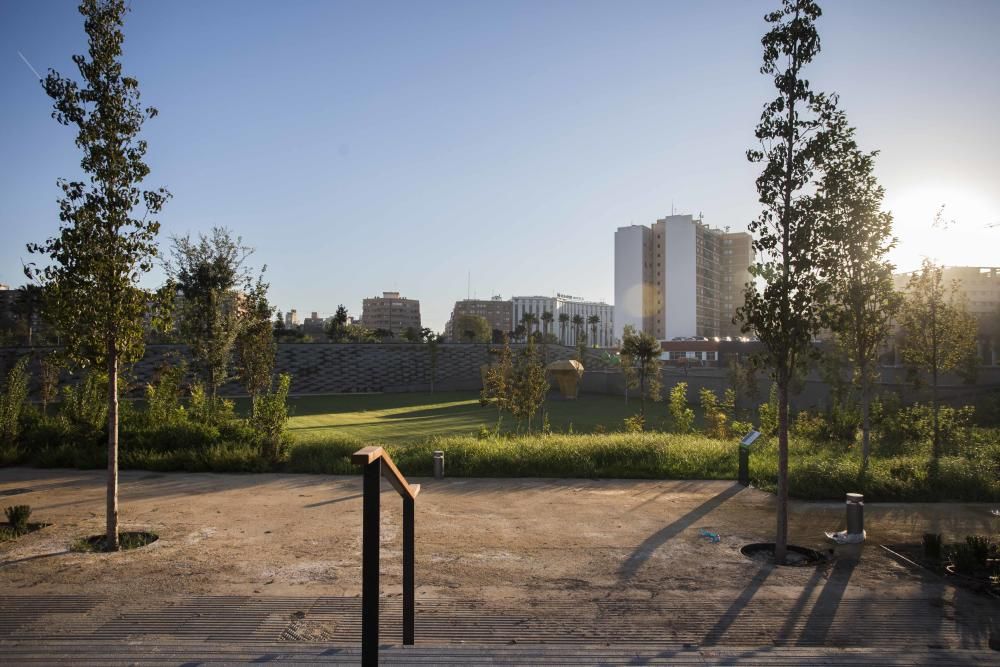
367	455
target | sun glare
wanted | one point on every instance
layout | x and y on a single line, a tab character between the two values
965	233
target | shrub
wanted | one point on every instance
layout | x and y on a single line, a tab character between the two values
633	424
909	429
768	414
681	416
85	406
270	417
163	397
12	402
971	556
17	517
809	426
716	419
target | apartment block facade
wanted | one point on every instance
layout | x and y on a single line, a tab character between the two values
391	312
680	278
497	312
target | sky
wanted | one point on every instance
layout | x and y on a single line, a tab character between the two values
445	149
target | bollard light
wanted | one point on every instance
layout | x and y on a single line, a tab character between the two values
856	516
438	464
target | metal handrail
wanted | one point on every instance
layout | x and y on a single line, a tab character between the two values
377	464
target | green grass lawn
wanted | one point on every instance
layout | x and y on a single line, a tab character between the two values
410	418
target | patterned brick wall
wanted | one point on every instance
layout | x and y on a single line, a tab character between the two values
342	368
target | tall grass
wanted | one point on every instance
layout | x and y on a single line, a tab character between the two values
815	472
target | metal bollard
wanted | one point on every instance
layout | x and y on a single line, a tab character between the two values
744	474
855	514
438	464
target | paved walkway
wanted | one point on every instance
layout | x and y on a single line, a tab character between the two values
247	563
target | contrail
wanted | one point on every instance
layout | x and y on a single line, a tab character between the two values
29	66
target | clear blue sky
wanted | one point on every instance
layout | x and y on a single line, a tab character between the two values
373	146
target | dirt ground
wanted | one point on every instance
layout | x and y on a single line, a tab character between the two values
287	534
498	560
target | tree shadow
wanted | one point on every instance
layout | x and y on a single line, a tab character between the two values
7	563
824	610
643	552
715	634
333	501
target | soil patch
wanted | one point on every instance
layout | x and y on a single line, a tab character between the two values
126	541
763	552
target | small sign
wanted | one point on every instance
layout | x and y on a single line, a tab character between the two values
749	438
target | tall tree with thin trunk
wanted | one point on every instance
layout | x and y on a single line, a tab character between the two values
794	140
255	346
938	333
214	281
107	235
594	321
640	356
563	323
863	300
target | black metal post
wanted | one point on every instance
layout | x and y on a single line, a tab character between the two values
744	477
369	564
408	563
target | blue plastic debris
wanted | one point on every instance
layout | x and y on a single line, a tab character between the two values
713	537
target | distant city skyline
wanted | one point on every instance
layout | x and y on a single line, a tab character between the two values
399	146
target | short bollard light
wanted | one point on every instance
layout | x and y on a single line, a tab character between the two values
855	533
748	439
438	464
856	516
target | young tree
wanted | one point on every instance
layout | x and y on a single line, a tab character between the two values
938	333
255	346
863	300
50	366
794	137
498	382
594	321
641	351
212	276
105	244
528	385
433	349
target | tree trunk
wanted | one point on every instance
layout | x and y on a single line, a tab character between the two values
865	424
781	540
112	508
936	451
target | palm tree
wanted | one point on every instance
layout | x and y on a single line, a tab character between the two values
563	322
527	320
593	321
546	322
577	325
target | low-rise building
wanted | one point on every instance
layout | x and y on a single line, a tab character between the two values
570	307
499	314
391	312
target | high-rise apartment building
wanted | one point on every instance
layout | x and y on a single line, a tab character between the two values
680	278
390	312
497	312
571	307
